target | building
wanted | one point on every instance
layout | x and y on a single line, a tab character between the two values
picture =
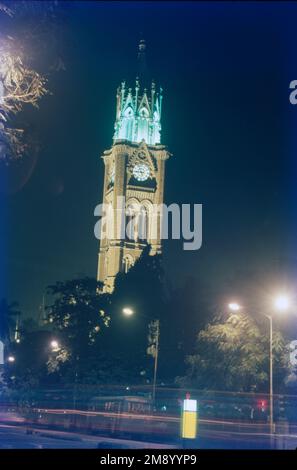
133	179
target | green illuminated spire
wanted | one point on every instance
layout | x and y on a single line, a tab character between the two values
138	115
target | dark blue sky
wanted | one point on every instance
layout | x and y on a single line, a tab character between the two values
225	69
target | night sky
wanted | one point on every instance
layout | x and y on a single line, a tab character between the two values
225	69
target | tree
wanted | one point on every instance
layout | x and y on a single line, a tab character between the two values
20	85
234	355
142	289
8	317
187	311
30	43
29	371
77	316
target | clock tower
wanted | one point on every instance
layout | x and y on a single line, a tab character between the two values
133	178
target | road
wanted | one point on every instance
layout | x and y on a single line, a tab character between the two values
212	434
17	437
21	437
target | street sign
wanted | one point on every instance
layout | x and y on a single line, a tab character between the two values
189	419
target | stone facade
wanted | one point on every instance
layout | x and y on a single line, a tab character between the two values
134	170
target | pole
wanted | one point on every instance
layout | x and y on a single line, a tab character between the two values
271	377
75	382
156	359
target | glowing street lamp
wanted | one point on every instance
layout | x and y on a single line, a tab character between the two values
234	306
127	311
54	345
281	303
11	359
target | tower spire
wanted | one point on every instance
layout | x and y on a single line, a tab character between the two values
141	61
138	112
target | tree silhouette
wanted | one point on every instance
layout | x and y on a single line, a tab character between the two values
77	317
234	355
8	317
142	289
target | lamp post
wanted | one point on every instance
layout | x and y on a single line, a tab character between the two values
281	304
271	424
128	312
156	324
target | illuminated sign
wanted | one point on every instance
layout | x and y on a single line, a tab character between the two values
189	419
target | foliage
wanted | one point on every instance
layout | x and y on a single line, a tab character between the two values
20	85
136	287
234	355
8	317
28	33
29	369
142	289
188	309
77	316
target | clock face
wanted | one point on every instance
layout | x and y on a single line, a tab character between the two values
141	172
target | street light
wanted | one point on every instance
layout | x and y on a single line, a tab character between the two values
234	306
128	311
281	304
54	345
11	359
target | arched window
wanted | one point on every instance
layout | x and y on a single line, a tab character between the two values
143	222
143	125
127	124
128	261
156	128
131	221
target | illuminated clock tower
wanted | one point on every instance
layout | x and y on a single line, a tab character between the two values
134	173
